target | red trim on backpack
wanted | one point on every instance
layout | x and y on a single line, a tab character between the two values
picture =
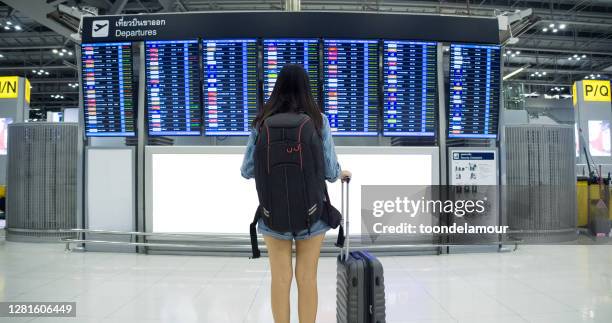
300	139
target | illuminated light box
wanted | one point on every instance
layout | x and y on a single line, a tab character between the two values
200	189
599	138
4	122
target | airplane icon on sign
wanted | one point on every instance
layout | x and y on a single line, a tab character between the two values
100	28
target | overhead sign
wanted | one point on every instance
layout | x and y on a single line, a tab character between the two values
9	87
596	91
337	25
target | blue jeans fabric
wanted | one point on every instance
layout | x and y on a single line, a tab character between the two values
319	227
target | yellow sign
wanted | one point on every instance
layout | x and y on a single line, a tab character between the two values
596	90
27	90
9	87
574	95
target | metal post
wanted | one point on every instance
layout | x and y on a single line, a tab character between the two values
441	116
140	148
442	153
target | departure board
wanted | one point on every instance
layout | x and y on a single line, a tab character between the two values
410	82
230	86
107	89
350	86
474	91
173	94
278	52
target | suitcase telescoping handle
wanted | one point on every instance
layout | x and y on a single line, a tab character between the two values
345	178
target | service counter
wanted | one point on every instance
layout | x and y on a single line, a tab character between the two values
199	189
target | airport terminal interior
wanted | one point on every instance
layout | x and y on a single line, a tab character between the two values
476	132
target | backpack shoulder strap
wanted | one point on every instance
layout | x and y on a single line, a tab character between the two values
253	231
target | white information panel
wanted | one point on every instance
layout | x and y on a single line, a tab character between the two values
110	198
200	189
473	166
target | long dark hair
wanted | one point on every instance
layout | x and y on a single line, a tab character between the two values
291	93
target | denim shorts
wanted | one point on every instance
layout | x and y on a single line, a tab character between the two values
319	227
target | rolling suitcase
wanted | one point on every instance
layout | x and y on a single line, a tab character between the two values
360	289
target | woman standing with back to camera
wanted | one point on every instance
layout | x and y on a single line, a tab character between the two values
287	184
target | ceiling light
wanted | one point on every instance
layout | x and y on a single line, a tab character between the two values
583	56
551	25
511	74
18	28
513	55
9	23
562	26
555	30
508	52
544	29
61	54
518	52
63	50
54	51
598	75
7	28
70	53
1	56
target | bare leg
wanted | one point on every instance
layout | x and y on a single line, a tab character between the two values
279	253
306	276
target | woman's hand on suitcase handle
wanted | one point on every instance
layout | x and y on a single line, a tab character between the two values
345	176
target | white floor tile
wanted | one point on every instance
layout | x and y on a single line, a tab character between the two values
535	284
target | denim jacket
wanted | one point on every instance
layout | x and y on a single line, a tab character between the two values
332	167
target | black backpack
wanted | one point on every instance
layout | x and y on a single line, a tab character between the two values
290	176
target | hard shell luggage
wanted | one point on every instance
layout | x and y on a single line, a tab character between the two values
360	289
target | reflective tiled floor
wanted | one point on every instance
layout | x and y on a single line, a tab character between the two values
534	284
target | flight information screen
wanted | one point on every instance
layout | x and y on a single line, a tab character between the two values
107	89
350	86
230	86
278	52
474	91
410	82
173	94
